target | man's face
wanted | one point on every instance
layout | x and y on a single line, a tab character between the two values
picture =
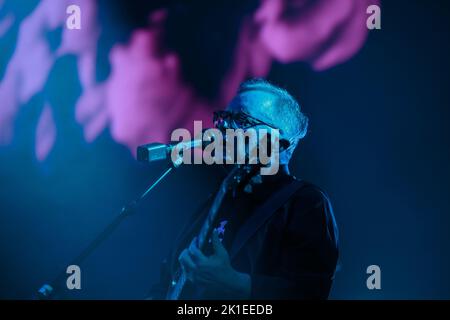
247	111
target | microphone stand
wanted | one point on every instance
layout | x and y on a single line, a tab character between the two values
49	291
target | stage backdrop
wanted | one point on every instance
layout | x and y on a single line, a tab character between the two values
75	103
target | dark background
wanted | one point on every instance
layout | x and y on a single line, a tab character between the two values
378	144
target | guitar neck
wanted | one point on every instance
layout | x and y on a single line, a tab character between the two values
205	231
179	282
177	287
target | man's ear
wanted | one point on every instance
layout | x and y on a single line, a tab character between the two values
284	144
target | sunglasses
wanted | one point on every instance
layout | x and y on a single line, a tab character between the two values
233	120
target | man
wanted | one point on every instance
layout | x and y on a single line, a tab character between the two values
276	238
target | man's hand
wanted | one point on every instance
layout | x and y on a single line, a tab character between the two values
215	271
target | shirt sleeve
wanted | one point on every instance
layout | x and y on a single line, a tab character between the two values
308	254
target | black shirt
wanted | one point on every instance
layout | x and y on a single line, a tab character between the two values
292	256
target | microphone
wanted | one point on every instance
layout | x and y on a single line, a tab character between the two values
174	152
160	151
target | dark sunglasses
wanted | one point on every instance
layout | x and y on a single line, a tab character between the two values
229	119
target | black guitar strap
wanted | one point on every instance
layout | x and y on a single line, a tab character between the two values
262	214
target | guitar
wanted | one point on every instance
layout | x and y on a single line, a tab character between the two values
236	176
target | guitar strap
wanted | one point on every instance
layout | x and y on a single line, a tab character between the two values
262	213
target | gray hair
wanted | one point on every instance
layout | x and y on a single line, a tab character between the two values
287	114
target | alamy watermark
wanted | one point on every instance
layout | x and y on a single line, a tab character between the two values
374	279
230	146
74	279
374	20
73	21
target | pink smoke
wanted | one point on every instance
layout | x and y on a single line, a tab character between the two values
145	97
